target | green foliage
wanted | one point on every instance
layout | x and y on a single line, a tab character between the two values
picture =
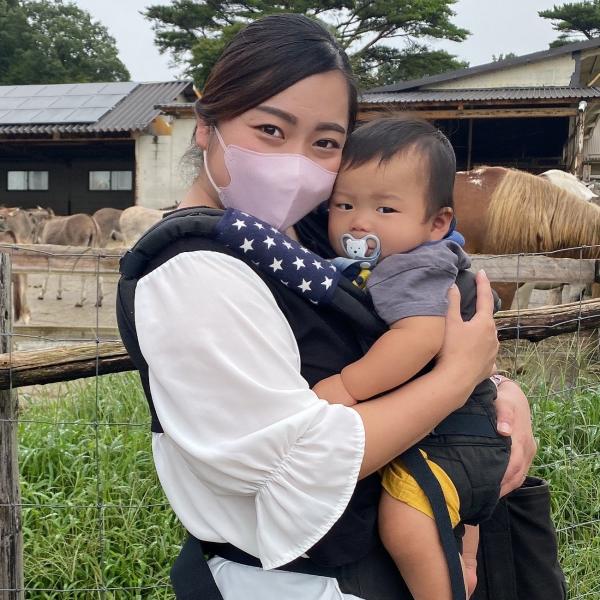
382	65
503	56
194	33
95	514
51	41
574	18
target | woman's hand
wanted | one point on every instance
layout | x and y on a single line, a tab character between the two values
469	349
514	419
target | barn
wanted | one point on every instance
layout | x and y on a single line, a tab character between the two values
80	147
532	112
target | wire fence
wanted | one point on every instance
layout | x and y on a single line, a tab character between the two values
90	509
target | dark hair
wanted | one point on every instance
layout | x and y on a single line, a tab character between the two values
387	137
267	57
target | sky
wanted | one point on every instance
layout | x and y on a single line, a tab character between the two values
497	27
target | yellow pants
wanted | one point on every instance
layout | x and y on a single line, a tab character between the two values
400	484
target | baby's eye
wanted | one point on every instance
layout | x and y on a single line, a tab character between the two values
386	209
271	130
327	144
343	205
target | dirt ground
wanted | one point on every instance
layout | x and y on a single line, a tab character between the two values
64	313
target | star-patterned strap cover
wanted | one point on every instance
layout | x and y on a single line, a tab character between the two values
279	256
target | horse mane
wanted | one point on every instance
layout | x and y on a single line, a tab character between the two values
529	214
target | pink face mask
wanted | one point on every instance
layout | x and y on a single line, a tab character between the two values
279	189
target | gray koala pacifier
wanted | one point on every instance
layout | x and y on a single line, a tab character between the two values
358	249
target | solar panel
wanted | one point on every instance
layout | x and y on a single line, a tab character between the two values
60	103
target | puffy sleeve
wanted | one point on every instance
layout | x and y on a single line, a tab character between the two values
249	454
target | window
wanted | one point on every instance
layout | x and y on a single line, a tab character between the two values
21	181
110	180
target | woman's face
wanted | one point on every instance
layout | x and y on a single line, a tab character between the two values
308	118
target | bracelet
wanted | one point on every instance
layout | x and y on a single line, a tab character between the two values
497	379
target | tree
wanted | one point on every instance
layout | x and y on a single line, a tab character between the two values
574	18
194	32
503	56
50	41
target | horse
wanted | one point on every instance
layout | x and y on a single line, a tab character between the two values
108	221
74	230
505	211
135	220
17	228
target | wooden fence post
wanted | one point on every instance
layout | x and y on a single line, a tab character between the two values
11	537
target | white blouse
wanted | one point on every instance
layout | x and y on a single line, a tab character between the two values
249	454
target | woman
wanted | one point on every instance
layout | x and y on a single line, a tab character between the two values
248	454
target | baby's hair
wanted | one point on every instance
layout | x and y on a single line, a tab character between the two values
384	138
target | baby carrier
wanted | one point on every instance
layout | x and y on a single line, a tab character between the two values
201	228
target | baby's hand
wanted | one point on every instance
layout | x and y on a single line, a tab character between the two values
333	390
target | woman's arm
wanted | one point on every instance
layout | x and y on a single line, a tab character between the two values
401	418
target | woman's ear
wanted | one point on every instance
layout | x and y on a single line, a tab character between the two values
202	135
441	222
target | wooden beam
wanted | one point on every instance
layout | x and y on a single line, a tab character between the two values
507	269
11	537
85	360
72	260
60	332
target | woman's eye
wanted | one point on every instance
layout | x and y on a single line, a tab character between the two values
386	210
327	144
271	130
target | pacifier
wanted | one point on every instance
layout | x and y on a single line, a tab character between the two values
358	249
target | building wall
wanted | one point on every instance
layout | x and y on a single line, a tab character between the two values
160	182
591	146
68	175
555	71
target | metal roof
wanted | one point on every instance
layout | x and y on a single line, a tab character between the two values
134	112
488	67
481	95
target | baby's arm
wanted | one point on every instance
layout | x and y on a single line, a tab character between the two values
396	356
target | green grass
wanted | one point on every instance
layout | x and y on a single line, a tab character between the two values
99	517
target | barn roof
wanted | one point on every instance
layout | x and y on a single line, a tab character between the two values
481	95
85	108
489	67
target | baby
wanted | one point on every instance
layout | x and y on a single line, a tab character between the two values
390	212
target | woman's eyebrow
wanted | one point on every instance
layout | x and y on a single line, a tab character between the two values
293	120
282	114
330	127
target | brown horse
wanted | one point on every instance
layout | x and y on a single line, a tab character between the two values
504	211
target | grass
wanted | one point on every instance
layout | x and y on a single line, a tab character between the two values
95	515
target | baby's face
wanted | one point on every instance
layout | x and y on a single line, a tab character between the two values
387	200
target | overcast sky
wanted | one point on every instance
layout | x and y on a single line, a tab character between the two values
497	26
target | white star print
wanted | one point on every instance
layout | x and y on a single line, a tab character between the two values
327	283
284	282
247	245
305	286
274	230
305	250
258	225
299	263
239	224
287	245
276	266
317	264
269	241
332	267
255	263
313	301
